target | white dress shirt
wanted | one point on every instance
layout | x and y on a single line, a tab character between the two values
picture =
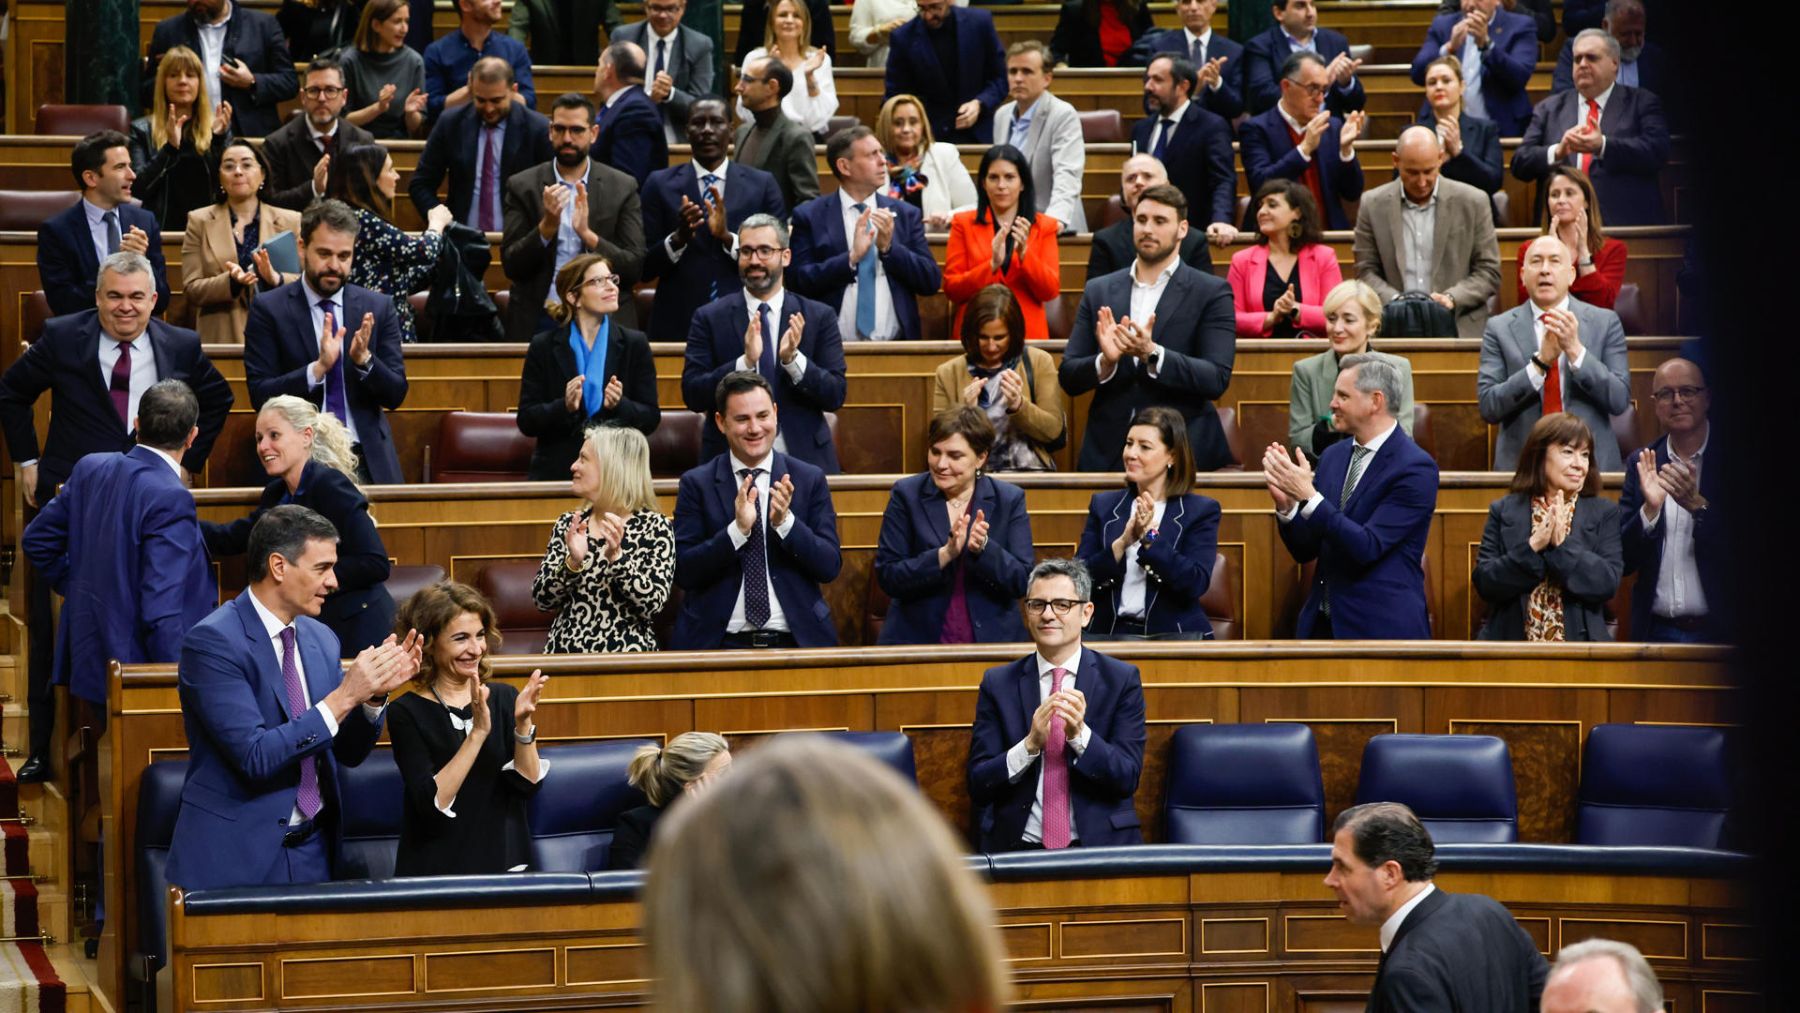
699	197
777	326
313	379
1135	591
671	44
1391	927
1156	131
143	368
777	617
887	324
1678	591
212	53
1554	155
1373	447
318	138
1019	759
1145	296
1538	376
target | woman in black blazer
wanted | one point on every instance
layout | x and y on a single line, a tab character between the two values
308	455
1151	545
1550	557
175	147
1472	143
562	392
955	547
688	765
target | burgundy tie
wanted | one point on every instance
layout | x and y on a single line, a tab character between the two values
121	385
308	800
1056	775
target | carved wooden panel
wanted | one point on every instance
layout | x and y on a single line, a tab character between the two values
1316	934
228	982
606	965
1725	941
1248	935
1546	762
1028	940
1236	997
338	977
532	967
1655	938
1129	937
941	757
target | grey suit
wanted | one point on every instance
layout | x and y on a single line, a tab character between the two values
1587	564
1595	392
783	150
1054	147
1466	264
690	65
1309	395
530	263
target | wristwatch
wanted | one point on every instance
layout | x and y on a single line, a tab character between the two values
525	740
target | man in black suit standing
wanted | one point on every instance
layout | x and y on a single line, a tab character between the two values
1439	951
680	58
480	145
298	153
1161	333
1114	248
566	207
1193	145
950	58
96	365
630	137
1219	60
72	243
245	57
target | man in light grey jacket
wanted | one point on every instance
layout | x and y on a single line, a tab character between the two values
1047	130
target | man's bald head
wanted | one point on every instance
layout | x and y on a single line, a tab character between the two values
1139	173
1418	156
1682	402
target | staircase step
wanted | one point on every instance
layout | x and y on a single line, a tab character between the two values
78	973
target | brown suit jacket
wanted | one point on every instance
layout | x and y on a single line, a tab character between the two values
1042	417
205	250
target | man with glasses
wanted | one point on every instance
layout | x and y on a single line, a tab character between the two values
1058	742
790	340
951	59
681	62
1670	526
299	154
1300	139
772	142
480	145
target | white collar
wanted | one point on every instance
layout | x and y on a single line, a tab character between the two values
1203	39
312	297
1072	666
1696	455
1161	276
1391	927
174	465
271	625
317	133
700	171
737	465
846	201
774	301
1537	312
1293	124
651	35
1374	445
613	99
1602	98
1177	113
135	339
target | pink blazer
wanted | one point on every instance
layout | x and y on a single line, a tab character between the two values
1318	272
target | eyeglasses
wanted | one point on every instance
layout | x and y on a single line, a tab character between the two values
322	92
603	281
758	252
1669	394
1315	90
1060	606
663	9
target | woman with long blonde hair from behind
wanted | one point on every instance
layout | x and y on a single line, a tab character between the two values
690	764
175	147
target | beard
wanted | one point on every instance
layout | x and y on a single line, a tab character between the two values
570	158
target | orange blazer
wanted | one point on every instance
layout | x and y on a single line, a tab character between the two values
1035	277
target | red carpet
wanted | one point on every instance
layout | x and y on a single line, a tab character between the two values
28	983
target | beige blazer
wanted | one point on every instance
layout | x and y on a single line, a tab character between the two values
1041	419
205	250
1466	264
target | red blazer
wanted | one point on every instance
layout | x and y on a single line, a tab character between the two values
1318	272
1034	277
1599	287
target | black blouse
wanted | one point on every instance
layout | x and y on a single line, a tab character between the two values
1273	286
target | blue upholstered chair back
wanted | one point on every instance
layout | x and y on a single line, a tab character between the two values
577	807
892	748
1244	784
1649	785
1460	786
159	800
374	799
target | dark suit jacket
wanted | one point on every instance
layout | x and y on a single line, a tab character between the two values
913	69
631	837
706	269
1506	67
561	33
1587	565
66	362
708	568
1178	564
1199	163
1269	153
1479	165
293	155
455	143
1102	779
1228	100
250	36
1264	55
822	269
716	341
784	151
1371	551
631	136
530	263
914	525
1643	550
1076	42
1459	951
1626	176
550	365
244	747
360	613
1112	250
1652	68
279	346
134	605
690	64
68	263
1197	329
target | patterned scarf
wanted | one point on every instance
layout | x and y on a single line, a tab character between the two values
1544	607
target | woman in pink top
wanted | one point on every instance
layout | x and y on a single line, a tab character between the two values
1278	286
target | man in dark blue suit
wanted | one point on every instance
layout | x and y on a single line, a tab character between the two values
1670	525
1058	742
480	145
1218	60
1299	139
332	343
631	137
1157	333
104	221
246	64
861	251
1365	520
790	339
755	535
1296	30
271	713
1193	145
951	59
122	545
1498	50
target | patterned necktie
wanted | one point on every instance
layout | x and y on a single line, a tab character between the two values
328	143
120	386
707	183
1056	775
308	801
756	563
865	283
766	364
1359	456
335	402
1552	393
487	220
1162	138
111	218
1586	161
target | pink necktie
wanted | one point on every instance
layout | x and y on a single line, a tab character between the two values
1056	776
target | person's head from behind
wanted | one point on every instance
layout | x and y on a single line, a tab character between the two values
125	294
586	287
1004	184
1304	83
746	415
1296	17
291	431
957	443
1381	855
1444	87
1157	454
1558	457
993	328
1159	224
1139	173
857	160
1365	399
1548	271
1028	71
688	765
1679	390
363	176
167	418
101	164
818	880
1601	976
1352	317
1058	603
1169	81
243	173
328	245
457	629
709	129
612	471
621	65
571	129
290	561
763	256
1596	62
1286	208
1418	156
1624	21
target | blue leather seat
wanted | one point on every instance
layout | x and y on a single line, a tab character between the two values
159	800
892	748
1460	786
1244	784
1649	785
577	807
374	799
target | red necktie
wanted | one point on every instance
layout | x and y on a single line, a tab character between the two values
120	387
1552	392
1586	161
1056	775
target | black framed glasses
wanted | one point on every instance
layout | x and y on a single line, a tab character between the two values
1669	394
1060	606
603	281
322	91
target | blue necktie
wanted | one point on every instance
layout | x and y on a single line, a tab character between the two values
1162	139
707	182
756	560
865	284
766	365
662	51
111	218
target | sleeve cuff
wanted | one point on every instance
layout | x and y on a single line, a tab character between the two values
1576	362
672	250
1080	742
786	525
373	712
331	724
1554	155
1535	375
738	538
1650	520
1311	505
543	768
313	379
1153	362
1287	515
447	810
797	368
1018	760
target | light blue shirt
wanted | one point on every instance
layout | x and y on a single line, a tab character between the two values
96	221
1473	103
486	189
568	241
1628	73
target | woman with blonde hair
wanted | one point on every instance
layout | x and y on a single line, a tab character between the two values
889	917
609	566
814	99
175	147
307	456
926	174
688	765
1352	313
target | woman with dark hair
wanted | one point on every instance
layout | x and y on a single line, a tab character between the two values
1471	143
1004	242
1097	33
1151	545
466	747
955	546
222	267
1572	214
175	148
1013	383
385	77
691	763
387	260
1279	284
1550	556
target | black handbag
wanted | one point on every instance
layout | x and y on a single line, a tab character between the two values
459	307
1416	315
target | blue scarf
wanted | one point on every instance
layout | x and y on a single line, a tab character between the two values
592	363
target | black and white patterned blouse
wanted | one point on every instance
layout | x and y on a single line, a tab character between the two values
608	606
